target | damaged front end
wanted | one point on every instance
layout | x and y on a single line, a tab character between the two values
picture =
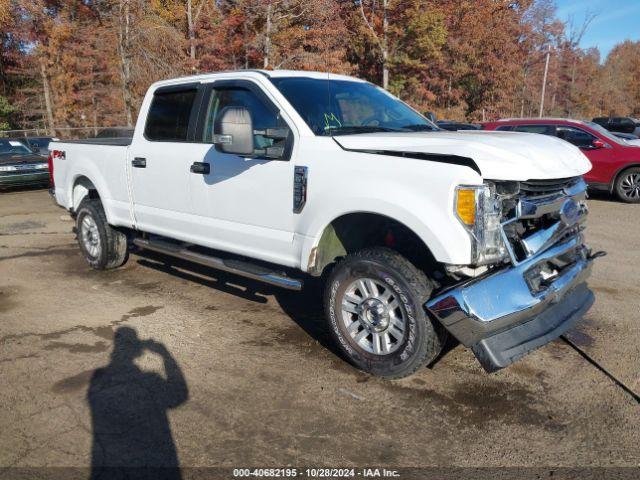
535	289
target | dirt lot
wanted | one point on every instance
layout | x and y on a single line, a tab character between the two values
246	377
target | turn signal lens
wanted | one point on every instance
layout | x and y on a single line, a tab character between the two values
466	205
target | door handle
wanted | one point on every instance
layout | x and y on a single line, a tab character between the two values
139	162
200	167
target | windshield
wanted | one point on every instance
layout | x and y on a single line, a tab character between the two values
345	107
606	133
13	147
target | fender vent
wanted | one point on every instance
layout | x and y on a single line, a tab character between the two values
299	188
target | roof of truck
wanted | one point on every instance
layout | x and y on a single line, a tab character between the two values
266	73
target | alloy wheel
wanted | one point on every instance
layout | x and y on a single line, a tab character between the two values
373	316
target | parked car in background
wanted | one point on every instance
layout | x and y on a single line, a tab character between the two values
19	165
625	136
616	163
115	132
629	138
619	124
39	144
453	126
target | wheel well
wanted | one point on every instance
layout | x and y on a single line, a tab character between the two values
355	231
83	187
620	172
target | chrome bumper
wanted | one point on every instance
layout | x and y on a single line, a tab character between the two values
502	317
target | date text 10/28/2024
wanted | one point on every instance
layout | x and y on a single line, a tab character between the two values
315	473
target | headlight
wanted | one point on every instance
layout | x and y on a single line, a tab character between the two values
41	166
480	212
8	168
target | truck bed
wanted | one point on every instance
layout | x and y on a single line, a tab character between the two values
115	141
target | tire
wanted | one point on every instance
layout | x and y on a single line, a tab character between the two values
356	317
102	246
627	186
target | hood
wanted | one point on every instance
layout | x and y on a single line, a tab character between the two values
499	155
13	159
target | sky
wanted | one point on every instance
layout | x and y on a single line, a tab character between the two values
616	21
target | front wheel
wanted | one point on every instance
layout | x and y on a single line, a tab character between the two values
627	186
374	306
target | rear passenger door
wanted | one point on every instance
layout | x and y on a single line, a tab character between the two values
159	159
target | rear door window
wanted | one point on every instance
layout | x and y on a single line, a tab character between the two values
169	114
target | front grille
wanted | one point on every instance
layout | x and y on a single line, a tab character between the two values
534	221
539	188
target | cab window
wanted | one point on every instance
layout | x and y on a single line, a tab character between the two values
168	117
263	115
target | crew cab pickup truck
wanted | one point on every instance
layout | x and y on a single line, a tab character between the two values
415	233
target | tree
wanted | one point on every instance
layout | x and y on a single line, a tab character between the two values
70	63
405	36
5	113
622	80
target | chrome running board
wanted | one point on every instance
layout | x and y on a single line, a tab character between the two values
237	267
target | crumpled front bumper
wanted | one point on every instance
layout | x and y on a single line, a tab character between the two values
502	318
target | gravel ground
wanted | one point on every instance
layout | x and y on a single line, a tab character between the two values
159	362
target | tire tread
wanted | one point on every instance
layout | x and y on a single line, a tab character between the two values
421	288
114	243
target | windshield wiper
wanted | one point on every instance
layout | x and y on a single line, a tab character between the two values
353	129
420	127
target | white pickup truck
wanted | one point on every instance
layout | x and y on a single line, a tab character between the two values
280	176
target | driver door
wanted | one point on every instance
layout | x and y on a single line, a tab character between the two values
244	204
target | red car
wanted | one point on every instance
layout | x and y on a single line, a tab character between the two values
616	164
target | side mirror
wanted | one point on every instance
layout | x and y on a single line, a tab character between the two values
598	144
430	116
233	131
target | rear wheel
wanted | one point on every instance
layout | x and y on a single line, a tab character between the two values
627	186
102	246
373	303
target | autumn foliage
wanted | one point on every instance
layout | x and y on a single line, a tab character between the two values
75	63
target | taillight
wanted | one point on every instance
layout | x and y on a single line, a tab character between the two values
59	154
50	162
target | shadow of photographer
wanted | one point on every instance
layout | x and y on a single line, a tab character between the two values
131	432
